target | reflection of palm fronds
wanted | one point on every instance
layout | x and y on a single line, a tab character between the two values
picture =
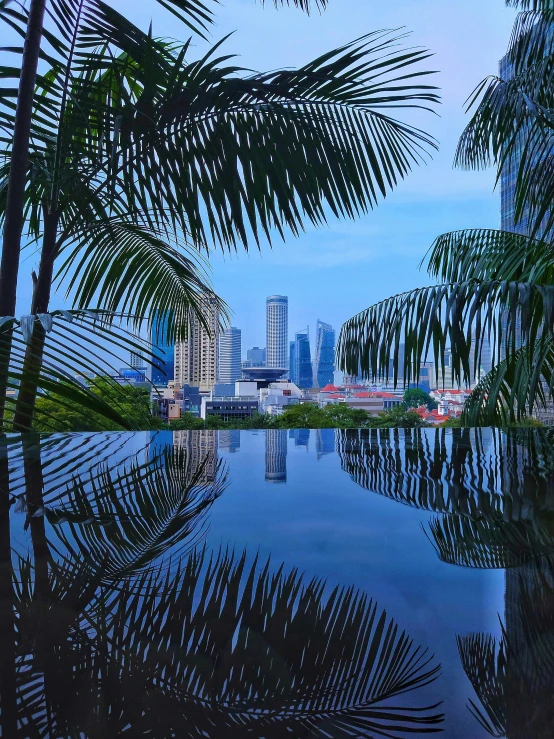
502	474
484	662
486	543
228	650
132	516
513	677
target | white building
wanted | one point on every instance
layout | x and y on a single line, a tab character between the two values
196	358
277	331
230	369
274	399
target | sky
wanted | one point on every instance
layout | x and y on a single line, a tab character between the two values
334	272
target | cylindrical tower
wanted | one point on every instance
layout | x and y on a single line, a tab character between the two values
277	330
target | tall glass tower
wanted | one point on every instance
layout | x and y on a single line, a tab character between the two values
303	372
230	355
164	350
277	331
324	361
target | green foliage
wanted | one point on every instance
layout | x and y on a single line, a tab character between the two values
416	397
55	414
397	418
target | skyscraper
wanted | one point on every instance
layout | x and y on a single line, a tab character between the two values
164	350
303	372
196	358
292	362
230	355
257	356
277	331
324	361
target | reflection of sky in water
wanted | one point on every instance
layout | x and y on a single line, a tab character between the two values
289	498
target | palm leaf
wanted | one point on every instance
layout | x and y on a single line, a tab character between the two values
489	254
128	268
430	319
515	388
239	145
75	346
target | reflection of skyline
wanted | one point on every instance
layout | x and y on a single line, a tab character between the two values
301	437
324	442
201	447
229	441
276	455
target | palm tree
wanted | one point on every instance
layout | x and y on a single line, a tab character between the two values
494	286
218	645
131	137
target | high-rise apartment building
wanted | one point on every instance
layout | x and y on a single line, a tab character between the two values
324	360
163	369
196	358
277	331
230	369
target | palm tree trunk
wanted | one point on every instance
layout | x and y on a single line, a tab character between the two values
8	694
32	363
13	225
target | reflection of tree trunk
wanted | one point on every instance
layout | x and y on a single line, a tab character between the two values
14	216
34	353
8	701
34	483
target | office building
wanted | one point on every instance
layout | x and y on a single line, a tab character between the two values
163	356
292	362
230	350
256	357
196	358
277	331
324	360
303	373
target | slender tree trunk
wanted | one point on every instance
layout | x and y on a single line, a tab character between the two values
13	225
34	353
8	696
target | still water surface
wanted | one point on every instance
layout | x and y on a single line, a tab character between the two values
278	584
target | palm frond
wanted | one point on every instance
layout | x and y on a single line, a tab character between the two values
255	153
430	319
128	268
490	254
514	388
78	343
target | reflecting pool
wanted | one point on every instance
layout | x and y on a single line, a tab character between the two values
303	583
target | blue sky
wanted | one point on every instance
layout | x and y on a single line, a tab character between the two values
333	273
